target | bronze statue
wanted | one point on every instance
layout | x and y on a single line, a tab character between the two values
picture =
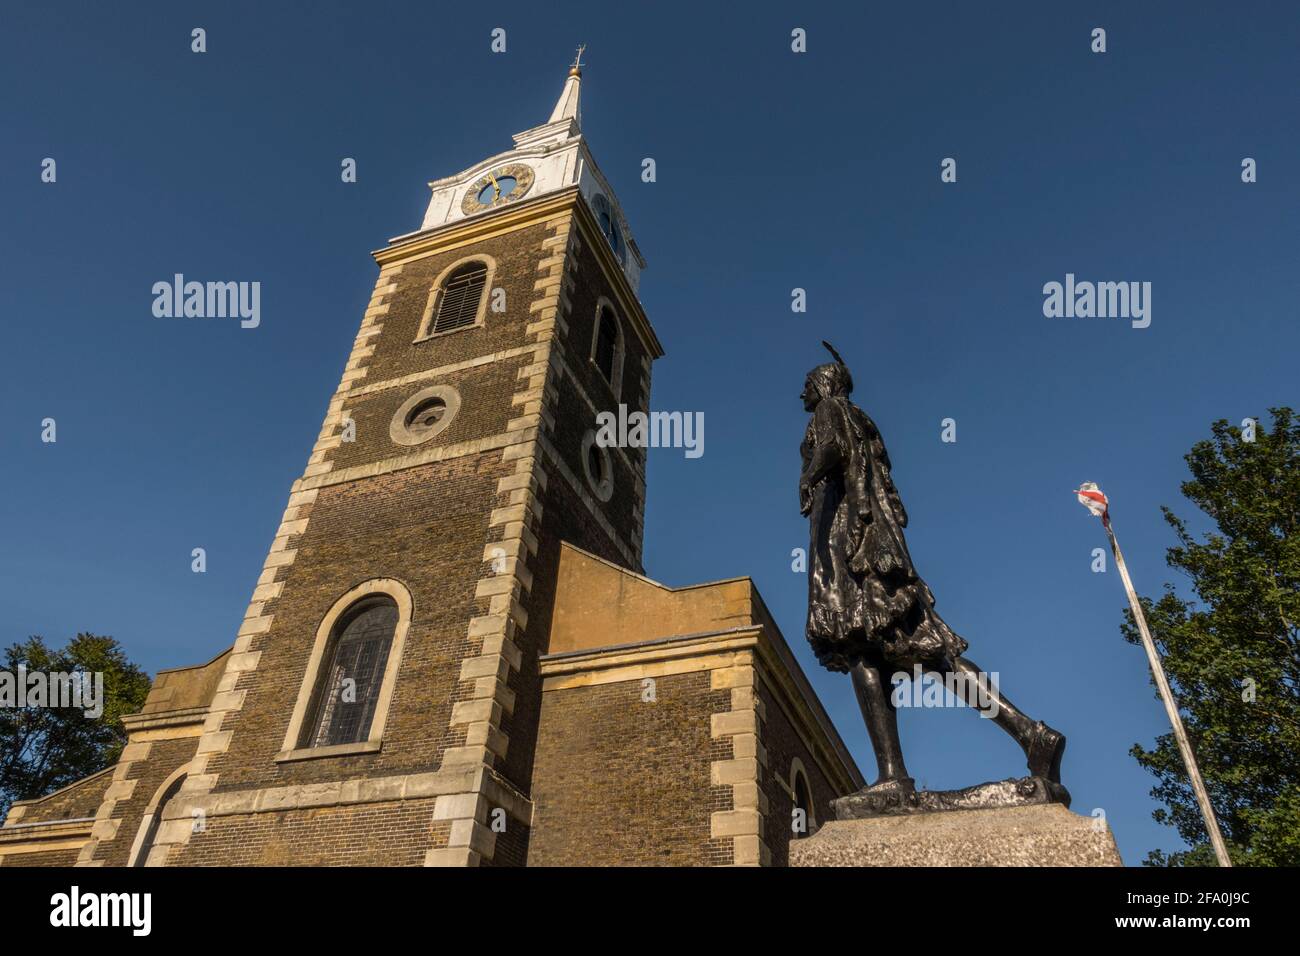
870	615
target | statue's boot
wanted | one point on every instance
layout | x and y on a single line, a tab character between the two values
1044	750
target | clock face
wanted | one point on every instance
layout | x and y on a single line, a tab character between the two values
498	186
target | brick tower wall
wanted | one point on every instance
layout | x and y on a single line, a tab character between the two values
469	523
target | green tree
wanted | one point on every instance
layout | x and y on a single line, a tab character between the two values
45	748
1232	653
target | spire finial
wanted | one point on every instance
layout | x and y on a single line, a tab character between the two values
567	105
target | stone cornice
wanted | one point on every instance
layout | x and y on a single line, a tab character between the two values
166	718
355	791
663	648
46	830
44	836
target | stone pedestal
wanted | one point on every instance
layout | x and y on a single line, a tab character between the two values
1042	835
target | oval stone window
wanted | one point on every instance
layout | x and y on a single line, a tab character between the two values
425	414
598	468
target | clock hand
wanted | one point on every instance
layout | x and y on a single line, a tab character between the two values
496	187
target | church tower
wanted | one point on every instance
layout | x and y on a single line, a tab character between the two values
383	694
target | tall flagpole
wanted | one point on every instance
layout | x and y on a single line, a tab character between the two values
1092	498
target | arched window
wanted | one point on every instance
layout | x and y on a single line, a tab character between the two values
606	343
803	822
458	303
607	346
348	684
153	817
608	222
347	690
458	297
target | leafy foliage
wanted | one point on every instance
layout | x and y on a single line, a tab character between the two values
1232	654
45	748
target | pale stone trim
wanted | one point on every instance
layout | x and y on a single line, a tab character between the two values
442	370
405	607
415	460
44	846
334	750
132	858
509	579
334	793
425	332
192	728
337	416
610	665
17	830
638	672
744	824
105	827
458	783
44	836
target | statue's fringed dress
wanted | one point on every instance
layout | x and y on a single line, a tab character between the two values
872	606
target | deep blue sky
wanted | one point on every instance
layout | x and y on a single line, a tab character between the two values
775	170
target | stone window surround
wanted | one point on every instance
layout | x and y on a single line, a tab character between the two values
435	297
797	770
620	351
137	847
402	435
603	490
291	748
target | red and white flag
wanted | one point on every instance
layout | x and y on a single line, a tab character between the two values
1091	497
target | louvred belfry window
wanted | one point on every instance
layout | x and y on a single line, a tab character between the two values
458	305
349	688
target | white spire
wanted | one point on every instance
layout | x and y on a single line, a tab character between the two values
567	108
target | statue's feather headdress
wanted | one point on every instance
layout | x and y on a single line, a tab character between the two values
835	379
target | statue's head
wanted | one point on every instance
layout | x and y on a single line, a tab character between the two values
826	381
